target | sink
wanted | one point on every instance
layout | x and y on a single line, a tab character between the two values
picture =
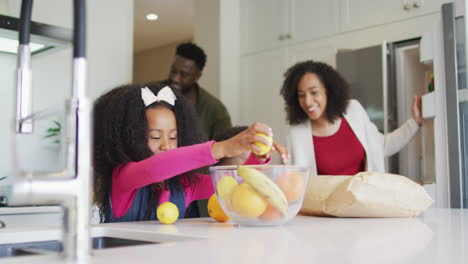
54	246
14	252
29	241
112	242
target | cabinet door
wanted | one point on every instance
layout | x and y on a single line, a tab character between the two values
313	19
263	24
261	80
324	52
357	14
363	70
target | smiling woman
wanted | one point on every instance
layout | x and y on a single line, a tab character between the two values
327	126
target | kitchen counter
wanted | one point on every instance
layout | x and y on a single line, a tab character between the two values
438	236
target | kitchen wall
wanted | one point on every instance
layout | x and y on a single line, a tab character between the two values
217	30
206	34
110	59
154	64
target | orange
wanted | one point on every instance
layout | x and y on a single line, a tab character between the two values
215	210
247	202
292	185
271	213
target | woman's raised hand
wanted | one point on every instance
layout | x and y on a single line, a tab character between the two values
244	141
417	112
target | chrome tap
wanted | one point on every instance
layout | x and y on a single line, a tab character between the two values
70	187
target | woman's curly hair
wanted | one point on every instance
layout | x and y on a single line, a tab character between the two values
120	136
337	89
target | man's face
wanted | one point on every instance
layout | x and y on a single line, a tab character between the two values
184	73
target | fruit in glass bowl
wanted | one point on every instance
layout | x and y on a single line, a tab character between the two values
262	195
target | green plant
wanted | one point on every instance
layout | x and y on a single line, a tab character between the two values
54	132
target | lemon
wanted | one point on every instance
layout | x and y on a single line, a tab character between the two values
247	202
263	148
167	213
215	210
225	187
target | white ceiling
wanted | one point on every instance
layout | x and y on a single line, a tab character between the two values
175	23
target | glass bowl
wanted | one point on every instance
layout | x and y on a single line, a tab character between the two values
260	195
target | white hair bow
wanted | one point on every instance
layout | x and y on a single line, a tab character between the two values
165	94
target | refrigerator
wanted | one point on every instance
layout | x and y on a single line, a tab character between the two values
385	78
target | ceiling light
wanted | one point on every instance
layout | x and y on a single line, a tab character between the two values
151	16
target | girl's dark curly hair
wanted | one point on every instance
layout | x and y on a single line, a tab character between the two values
120	136
337	89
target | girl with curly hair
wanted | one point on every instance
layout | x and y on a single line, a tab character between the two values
149	149
330	132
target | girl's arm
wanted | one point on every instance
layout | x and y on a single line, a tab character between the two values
167	164
162	166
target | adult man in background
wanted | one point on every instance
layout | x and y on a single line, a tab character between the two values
185	71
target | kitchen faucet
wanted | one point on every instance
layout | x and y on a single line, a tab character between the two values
70	187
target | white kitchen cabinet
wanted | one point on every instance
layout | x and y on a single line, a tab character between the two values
359	14
324	52
263	24
271	24
313	19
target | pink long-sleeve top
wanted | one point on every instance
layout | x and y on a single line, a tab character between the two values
128	178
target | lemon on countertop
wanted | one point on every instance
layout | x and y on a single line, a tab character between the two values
167	213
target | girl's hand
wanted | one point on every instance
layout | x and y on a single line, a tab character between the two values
244	141
417	113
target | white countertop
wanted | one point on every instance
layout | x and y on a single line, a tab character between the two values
438	236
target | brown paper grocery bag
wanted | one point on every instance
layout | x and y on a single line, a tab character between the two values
318	190
366	194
